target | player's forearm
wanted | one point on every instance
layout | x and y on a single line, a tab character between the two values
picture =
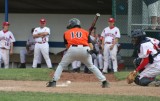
36	35
91	46
11	48
116	41
40	35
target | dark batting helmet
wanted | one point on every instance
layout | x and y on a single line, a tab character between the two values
74	22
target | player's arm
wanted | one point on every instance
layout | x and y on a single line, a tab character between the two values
114	43
65	42
11	48
27	47
44	34
90	43
37	35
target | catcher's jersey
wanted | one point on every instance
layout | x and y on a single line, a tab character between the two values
6	38
155	42
147	48
109	34
31	42
41	30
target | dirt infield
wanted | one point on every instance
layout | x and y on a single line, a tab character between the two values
81	83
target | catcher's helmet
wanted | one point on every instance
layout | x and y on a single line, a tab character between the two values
74	22
137	33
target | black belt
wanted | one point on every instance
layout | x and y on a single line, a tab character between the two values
79	45
108	43
41	42
3	48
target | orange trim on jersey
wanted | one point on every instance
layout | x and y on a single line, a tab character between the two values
76	36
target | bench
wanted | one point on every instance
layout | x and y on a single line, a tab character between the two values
15	59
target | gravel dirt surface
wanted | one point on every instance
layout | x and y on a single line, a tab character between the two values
80	83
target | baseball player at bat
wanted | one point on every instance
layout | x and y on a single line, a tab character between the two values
41	36
6	44
78	45
111	35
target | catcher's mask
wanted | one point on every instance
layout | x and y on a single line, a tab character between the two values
137	35
74	22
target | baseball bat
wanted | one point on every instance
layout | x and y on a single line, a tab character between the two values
94	22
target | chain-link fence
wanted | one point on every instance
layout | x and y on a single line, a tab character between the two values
131	14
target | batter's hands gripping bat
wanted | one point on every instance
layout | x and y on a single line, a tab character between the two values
94	22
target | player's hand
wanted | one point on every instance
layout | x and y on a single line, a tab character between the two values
11	52
111	47
30	52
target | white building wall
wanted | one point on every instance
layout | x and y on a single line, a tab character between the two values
21	25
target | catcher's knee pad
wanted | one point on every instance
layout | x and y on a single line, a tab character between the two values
144	81
137	80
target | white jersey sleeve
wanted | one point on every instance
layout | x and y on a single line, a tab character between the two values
12	37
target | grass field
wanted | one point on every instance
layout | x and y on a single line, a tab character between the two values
42	75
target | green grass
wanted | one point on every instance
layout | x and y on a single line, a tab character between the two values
123	74
38	96
41	74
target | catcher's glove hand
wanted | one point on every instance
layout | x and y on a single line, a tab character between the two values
131	77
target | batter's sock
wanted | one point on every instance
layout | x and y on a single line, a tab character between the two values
23	65
38	65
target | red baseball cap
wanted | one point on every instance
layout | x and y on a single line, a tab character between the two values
42	21
111	20
6	23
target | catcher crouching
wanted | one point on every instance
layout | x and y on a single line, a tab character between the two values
148	61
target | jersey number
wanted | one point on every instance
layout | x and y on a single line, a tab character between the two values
76	35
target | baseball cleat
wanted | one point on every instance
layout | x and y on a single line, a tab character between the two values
154	84
51	84
105	84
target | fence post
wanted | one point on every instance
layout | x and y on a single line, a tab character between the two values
129	16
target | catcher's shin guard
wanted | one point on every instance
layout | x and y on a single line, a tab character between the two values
105	84
143	81
51	84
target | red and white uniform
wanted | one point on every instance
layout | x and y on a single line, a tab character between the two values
109	35
6	38
41	47
40	30
150	70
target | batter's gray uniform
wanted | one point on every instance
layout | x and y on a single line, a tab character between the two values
77	43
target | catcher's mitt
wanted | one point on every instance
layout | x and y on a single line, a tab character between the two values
131	77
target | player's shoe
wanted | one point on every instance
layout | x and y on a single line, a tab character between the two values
105	84
154	84
51	84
